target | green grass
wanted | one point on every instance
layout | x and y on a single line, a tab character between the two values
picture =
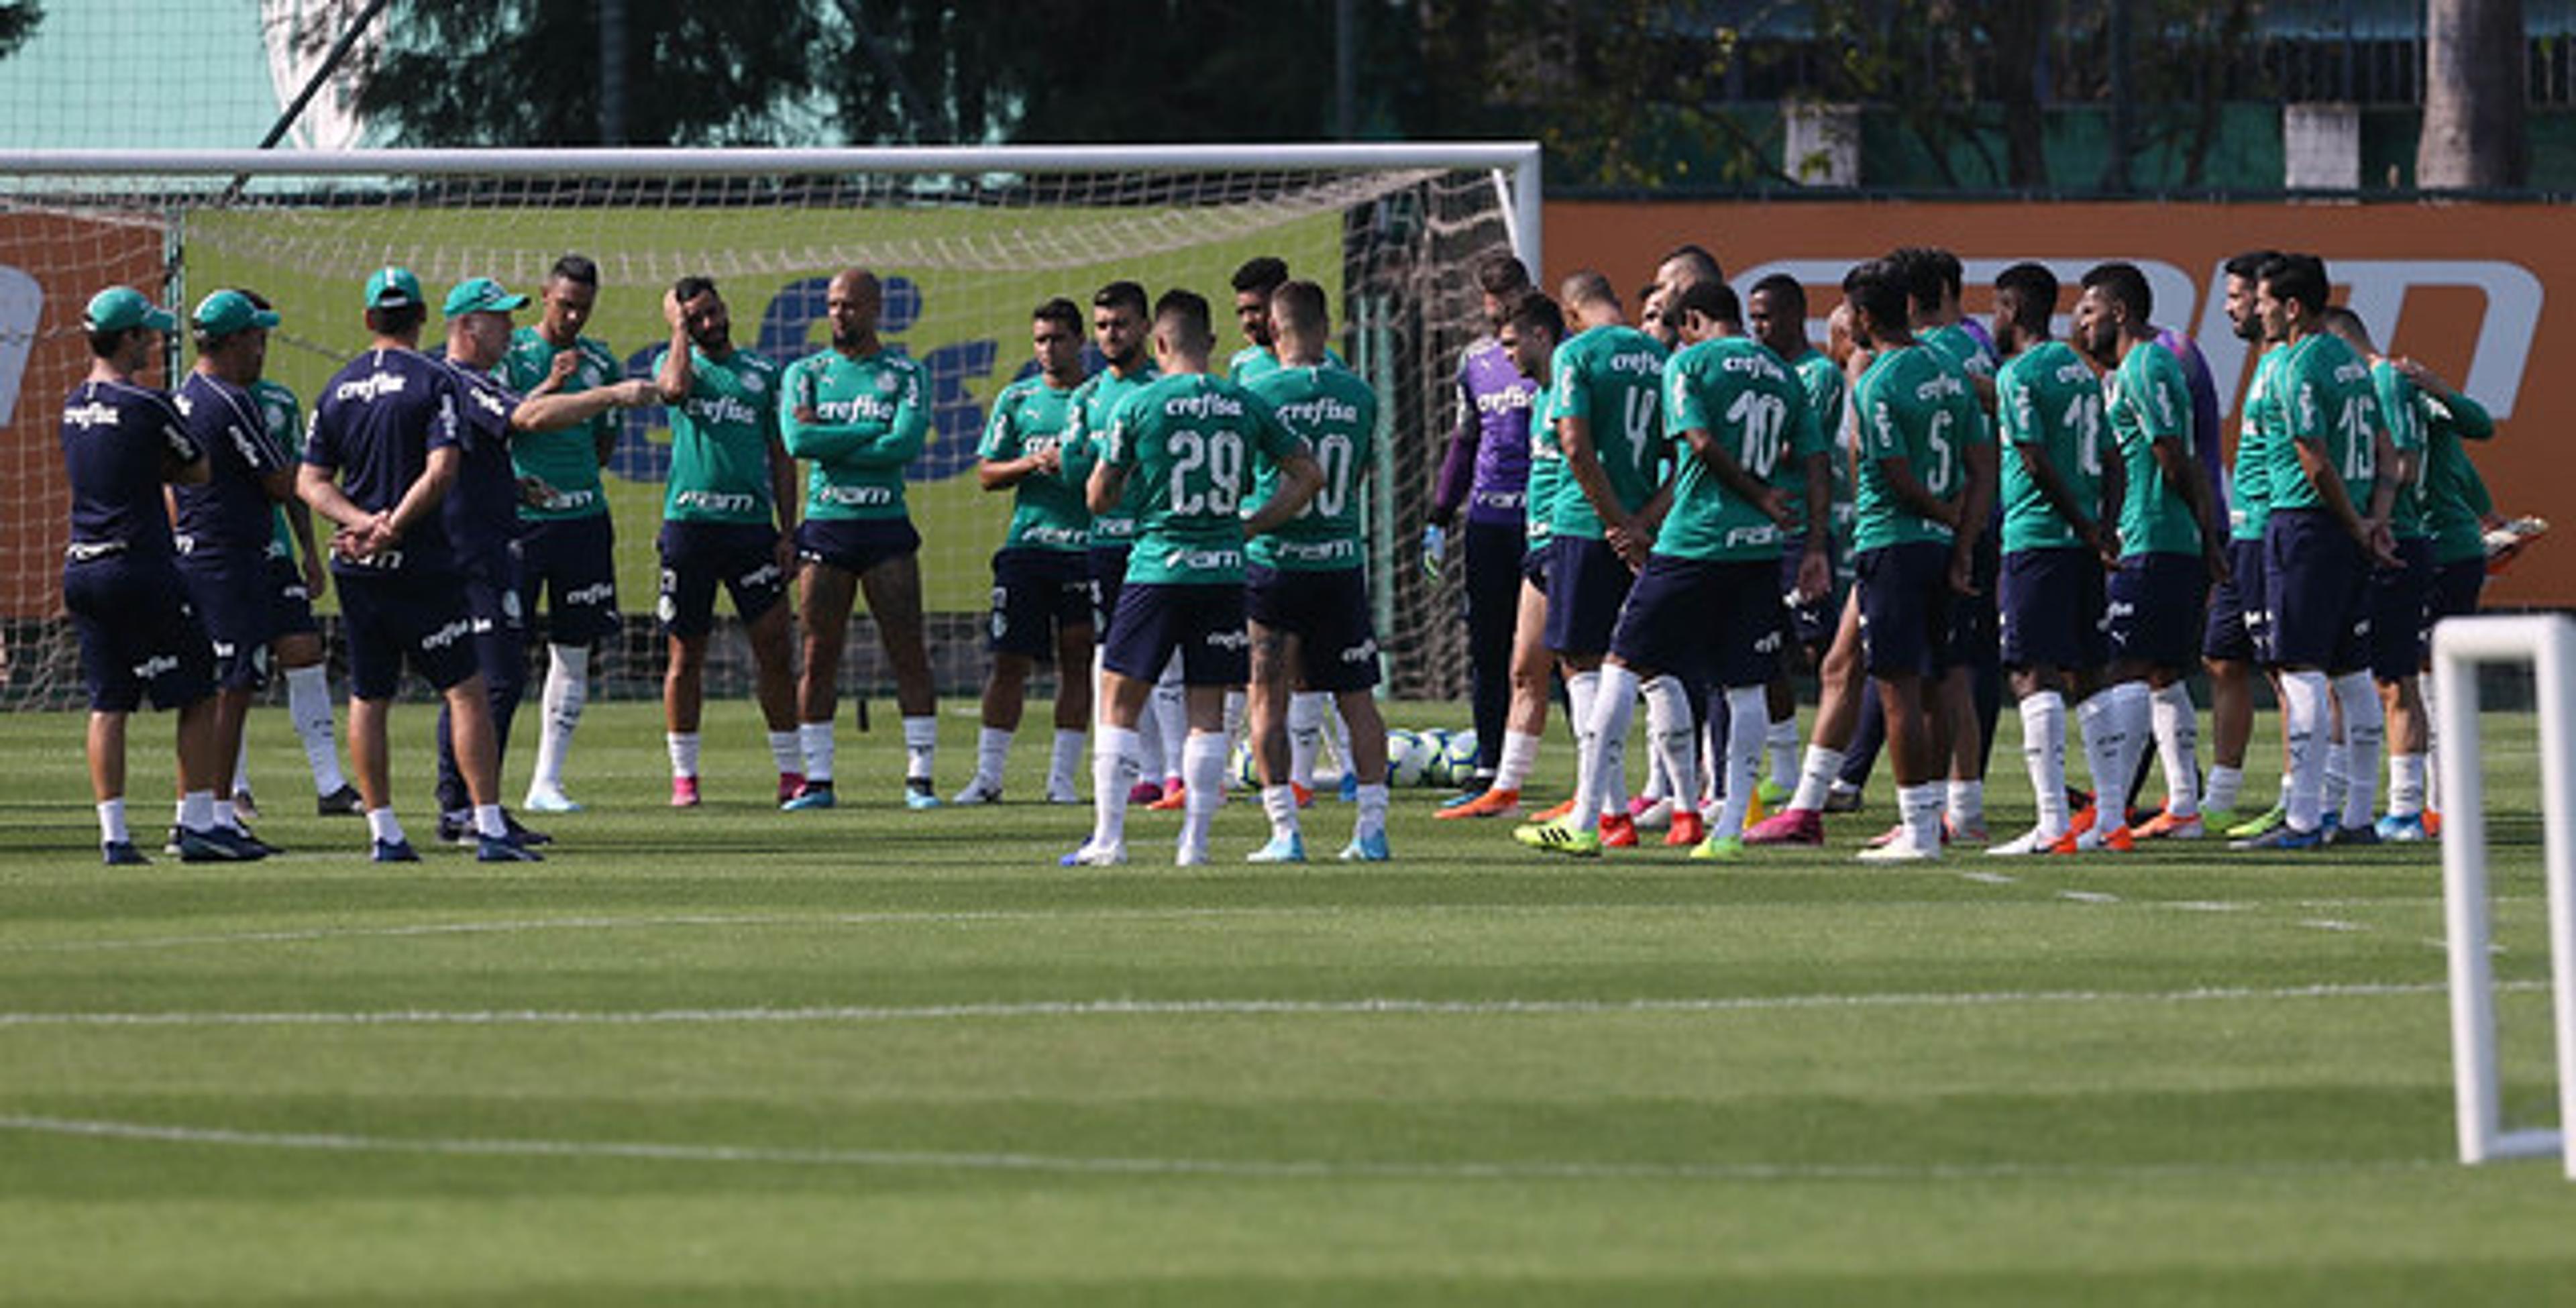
876	1054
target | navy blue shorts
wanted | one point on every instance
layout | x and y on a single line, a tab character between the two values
1710	623
2401	607
139	634
1810	623
698	555
1534	563
1205	623
1037	595
390	618
2316	575
2051	602
1904	608
571	565
232	598
2239	624
1975	620
1328	613
2155	614
290	601
1587	581
1108	579
855	545
2456	587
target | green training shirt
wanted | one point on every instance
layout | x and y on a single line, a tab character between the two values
869	425
279	408
1088	416
2049	398
2148	401
2326	402
1188	443
2249	500
720	439
1613	378
1916	406
1335	413
1031	416
2455	496
566	460
1754	409
2401	407
1826	387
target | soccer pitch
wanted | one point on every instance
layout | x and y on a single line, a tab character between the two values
733	1055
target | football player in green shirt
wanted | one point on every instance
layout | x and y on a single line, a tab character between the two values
860	414
1121	327
2236	640
1776	313
729	475
2170	550
567	543
1605	405
2328	527
2059	495
1920	509
1041	577
1306	588
1254	283
1187	442
2400	597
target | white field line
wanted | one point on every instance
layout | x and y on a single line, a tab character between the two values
900	917
1247	1168
1363	1007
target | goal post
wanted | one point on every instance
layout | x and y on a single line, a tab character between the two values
2548	644
968	239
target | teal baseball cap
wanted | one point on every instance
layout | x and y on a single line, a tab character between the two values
480	295
123	308
226	312
393	288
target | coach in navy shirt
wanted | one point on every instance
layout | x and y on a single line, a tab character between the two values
225	523
138	633
383	455
482	515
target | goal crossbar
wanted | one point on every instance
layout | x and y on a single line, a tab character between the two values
1514	164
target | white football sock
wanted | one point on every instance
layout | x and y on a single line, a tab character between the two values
567	690
488	822
1816	778
1113	773
1746	735
383	826
920	746
1372	816
2177	727
1520	754
2365	727
1203	777
1068	756
111	823
197	810
1280	804
816	748
1782	741
1306	713
2303	707
1611	695
308	706
787	748
2043	755
993	752
1673	742
684	752
2224	784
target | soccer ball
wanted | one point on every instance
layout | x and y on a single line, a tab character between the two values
1435	757
1458	761
1406	758
1240	767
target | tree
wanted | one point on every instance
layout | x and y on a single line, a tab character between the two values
525	72
2473	96
18	19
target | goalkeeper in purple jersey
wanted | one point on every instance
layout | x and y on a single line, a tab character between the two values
1486	472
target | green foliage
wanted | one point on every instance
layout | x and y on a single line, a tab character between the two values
18	20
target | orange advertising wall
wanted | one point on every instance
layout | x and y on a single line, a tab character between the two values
50	264
2485	294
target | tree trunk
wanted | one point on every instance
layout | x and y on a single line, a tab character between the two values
2473	96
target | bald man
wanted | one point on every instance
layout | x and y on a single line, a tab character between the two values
858	414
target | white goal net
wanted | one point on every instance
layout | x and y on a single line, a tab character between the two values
968	243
